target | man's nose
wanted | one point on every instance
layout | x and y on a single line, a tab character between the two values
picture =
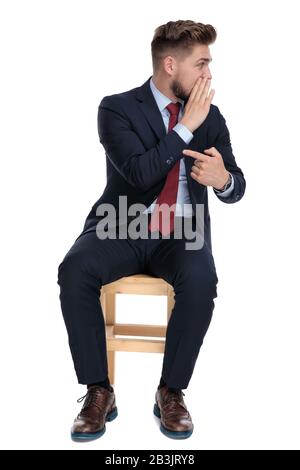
207	75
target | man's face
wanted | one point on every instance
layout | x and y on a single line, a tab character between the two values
189	70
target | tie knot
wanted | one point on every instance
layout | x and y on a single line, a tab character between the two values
173	108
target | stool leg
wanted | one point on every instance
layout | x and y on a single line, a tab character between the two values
171	303
108	303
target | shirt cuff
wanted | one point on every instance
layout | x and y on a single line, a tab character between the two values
183	132
228	191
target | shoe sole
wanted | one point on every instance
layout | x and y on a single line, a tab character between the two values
167	432
91	436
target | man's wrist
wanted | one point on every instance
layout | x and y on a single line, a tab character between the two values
183	132
226	185
186	125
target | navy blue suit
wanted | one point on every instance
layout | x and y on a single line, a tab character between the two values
139	155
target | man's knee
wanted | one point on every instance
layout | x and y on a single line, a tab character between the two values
74	266
69	267
198	278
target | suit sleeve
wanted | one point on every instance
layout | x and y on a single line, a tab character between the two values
140	167
223	145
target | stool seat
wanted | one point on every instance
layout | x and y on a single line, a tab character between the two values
135	284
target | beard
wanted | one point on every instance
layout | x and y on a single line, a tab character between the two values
179	91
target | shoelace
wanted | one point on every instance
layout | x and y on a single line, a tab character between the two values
91	398
173	398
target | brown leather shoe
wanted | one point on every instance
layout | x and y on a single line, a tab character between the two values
99	406
175	420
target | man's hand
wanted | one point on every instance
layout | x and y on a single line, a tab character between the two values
197	107
209	169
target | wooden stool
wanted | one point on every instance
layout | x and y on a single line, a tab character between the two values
136	284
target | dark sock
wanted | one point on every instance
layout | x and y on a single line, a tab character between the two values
105	383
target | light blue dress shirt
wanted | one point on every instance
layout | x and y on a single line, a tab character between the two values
183	202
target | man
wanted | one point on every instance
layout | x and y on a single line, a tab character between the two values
165	143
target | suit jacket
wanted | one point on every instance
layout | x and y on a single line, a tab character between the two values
139	153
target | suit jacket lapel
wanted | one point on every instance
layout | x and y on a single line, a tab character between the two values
150	109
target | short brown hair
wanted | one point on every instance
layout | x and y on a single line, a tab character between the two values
178	38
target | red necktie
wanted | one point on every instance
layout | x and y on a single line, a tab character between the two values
168	194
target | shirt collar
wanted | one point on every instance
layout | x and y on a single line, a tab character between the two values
161	99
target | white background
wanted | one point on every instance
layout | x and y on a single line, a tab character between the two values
58	59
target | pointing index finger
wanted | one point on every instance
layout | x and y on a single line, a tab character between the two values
198	155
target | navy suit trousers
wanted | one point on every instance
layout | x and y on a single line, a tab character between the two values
92	262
